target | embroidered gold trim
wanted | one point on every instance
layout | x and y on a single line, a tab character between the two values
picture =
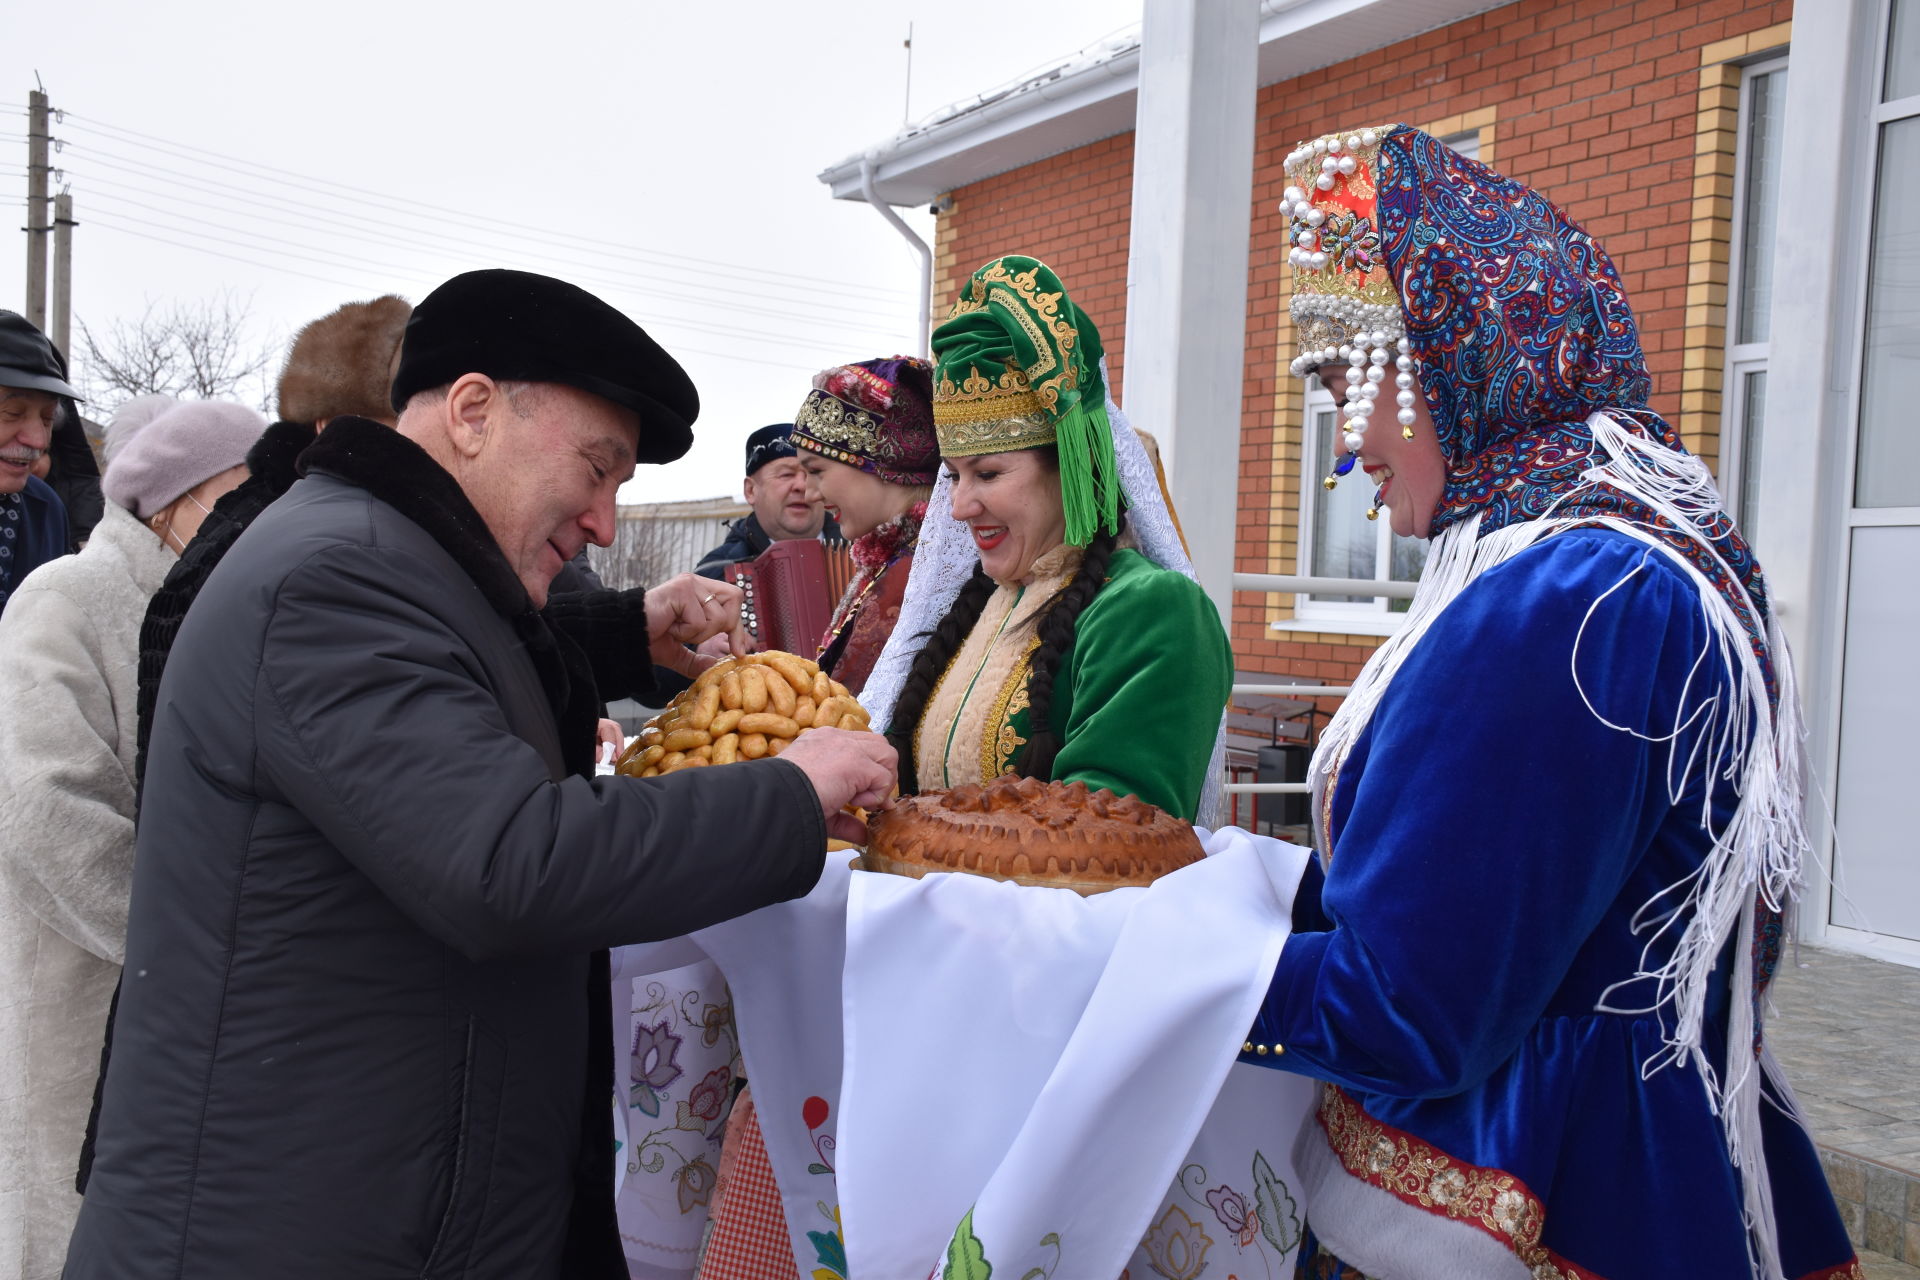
989	415
832	421
1491	1199
978	398
997	435
1028	300
999	742
802	441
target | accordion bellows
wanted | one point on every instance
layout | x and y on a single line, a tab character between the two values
1056	834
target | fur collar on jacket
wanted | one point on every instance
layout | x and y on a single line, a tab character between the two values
401	474
275	455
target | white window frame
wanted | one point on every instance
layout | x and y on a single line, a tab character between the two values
1742	358
1375	616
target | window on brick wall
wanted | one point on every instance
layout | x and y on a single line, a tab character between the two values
1756	204
1336	538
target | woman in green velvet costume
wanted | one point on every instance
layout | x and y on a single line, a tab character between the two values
1059	633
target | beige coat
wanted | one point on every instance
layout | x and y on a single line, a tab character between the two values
69	651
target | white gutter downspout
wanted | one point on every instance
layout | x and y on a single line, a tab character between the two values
923	328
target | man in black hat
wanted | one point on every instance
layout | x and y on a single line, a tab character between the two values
786	503
33	520
363	1028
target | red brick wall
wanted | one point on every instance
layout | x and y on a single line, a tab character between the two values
1596	106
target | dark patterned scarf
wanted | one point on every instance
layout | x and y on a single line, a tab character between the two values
1520	329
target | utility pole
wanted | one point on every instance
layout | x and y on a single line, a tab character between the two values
38	171
60	319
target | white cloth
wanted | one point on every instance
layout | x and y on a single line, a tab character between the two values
71	640
1059	1068
676	1062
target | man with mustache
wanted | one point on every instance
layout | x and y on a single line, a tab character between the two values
33	521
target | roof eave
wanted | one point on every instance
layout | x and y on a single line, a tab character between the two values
1072	106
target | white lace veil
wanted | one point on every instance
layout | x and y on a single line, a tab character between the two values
945	558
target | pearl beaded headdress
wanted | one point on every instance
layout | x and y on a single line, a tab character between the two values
1344	304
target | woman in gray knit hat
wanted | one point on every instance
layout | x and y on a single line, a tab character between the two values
70	639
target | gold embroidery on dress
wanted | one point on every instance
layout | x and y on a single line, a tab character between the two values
1000	742
1492	1199
1326	808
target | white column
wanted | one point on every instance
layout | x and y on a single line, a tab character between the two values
1187	276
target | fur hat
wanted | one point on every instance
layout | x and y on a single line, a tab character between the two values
343	363
520	327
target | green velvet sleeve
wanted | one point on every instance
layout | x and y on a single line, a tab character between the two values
1146	681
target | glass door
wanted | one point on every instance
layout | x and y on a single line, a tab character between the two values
1876	881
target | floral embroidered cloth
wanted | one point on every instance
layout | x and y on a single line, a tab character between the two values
673	1029
1034	1082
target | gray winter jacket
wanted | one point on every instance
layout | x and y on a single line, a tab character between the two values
362	1031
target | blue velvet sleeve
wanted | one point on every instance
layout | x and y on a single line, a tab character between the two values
1488	818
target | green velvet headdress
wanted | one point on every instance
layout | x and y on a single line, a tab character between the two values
1017	366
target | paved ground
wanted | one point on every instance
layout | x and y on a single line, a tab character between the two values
1880	1267
1847	1031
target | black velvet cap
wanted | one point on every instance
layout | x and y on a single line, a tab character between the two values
769	444
516	326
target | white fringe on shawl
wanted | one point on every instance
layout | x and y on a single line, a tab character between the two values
1757	856
946	557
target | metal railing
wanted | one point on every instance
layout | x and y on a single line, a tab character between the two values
1302	584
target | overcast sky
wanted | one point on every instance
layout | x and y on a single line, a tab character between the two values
663	155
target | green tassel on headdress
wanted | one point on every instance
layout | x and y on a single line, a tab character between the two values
1089	487
1017	366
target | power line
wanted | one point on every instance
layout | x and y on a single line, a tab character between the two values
439	239
108	220
116	217
339	260
317	185
360	287
306	221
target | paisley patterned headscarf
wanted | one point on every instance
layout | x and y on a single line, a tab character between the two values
1518	327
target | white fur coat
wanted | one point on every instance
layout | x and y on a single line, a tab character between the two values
69	652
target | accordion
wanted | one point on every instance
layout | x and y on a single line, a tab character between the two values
789	592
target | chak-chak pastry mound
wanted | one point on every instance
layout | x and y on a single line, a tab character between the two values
741	709
1057	834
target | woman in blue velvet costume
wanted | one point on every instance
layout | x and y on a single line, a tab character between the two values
1559	817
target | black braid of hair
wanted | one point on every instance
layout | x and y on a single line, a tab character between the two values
928	666
1055	633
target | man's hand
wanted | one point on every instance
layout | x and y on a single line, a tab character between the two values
608	735
687	611
846	767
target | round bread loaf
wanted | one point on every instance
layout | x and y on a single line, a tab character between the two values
1057	834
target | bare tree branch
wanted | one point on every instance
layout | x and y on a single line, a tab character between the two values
203	350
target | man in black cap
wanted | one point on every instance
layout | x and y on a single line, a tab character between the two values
363	1028
33	520
786	503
